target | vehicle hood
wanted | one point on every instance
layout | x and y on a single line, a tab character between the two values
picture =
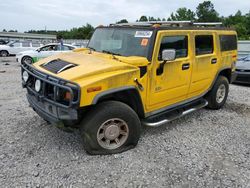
88	65
4	46
244	65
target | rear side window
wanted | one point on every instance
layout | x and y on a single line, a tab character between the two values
35	44
179	43
228	42
204	44
25	44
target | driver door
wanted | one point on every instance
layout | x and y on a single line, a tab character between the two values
171	84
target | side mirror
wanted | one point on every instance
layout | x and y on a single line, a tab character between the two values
168	55
38	50
11	45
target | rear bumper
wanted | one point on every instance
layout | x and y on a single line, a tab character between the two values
242	77
50	112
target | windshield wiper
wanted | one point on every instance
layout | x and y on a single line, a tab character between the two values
109	52
113	54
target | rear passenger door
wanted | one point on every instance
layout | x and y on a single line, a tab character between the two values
205	62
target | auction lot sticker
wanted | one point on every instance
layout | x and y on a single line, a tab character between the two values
143	34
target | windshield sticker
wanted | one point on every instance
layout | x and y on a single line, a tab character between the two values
144	42
143	34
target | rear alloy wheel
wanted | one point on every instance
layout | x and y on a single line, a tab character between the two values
27	60
218	95
4	53
110	127
221	93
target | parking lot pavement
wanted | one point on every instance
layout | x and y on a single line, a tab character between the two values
205	149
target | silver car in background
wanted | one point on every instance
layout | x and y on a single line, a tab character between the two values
243	70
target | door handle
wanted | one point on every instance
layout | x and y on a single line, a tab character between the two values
186	66
214	61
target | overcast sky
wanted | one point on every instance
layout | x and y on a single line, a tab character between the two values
24	15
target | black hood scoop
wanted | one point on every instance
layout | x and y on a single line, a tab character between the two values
57	66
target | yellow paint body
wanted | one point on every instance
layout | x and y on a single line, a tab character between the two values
160	91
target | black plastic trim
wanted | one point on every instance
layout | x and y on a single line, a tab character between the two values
58	82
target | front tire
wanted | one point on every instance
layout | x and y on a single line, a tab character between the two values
4	53
27	59
218	95
111	127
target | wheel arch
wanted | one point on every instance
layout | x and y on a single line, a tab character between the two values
128	95
227	72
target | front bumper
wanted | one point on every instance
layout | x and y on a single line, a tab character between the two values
242	77
45	102
51	112
18	59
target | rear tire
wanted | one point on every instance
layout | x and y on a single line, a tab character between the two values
218	95
4	53
110	127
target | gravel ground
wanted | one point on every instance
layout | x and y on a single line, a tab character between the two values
204	149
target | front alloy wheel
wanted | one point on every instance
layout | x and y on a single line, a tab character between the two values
27	60
113	133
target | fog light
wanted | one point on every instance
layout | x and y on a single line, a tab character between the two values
25	76
38	85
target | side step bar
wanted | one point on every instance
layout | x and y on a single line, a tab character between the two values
172	114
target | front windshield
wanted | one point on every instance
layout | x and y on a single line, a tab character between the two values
121	41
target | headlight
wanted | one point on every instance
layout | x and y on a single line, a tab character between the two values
38	85
25	76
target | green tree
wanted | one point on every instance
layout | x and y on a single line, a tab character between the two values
238	21
182	14
143	19
122	21
247	24
151	19
206	12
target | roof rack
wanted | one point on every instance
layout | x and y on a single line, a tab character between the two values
171	23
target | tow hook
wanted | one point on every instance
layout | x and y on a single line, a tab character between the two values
138	84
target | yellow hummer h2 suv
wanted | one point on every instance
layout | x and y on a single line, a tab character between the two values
131	75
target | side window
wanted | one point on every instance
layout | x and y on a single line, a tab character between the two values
228	42
35	45
49	48
179	43
25	44
16	44
67	48
204	44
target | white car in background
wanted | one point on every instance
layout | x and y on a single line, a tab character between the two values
12	48
32	56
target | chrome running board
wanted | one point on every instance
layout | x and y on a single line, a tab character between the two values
170	115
